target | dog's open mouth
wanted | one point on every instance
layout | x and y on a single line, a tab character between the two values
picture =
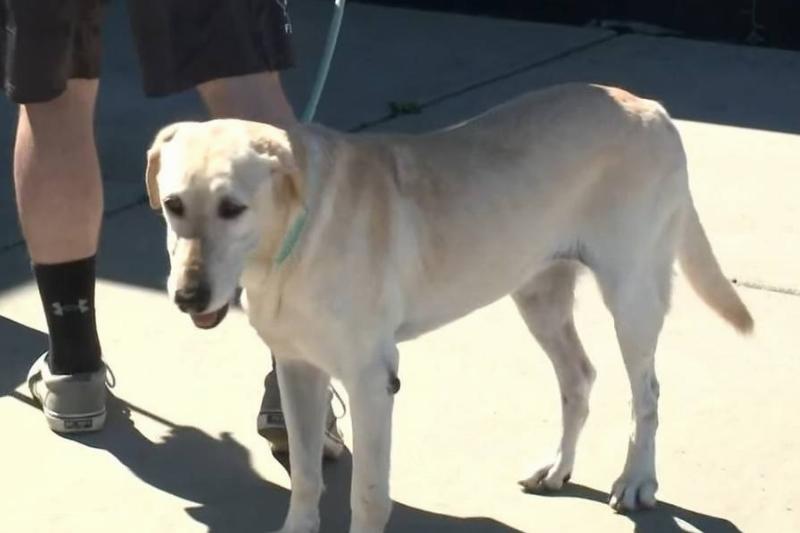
209	320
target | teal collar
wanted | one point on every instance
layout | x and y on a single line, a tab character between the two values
292	236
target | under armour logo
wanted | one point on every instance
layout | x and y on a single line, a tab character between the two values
81	307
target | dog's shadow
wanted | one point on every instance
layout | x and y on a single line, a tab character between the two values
665	518
231	496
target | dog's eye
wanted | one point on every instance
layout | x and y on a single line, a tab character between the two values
230	209
174	205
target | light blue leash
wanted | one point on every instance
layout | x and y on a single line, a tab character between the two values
293	235
325	62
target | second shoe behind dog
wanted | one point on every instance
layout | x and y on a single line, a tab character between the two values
348	244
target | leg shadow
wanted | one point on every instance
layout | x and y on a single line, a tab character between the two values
665	518
19	348
215	473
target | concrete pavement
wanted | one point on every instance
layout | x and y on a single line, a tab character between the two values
479	405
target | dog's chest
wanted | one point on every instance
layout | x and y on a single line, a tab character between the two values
267	316
290	328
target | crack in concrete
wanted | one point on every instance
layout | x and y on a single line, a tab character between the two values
488	81
766	287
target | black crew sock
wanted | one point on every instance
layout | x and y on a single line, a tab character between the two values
67	291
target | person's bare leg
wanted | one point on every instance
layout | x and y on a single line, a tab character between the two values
57	176
258	97
60	203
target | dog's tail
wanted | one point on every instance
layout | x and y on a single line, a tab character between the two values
704	274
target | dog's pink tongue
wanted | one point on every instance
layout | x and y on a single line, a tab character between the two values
205	320
210	320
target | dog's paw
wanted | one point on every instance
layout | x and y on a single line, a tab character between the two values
547	478
633	493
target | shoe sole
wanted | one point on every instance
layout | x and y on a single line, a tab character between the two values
75	424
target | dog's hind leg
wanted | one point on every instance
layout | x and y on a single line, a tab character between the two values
303	398
546	305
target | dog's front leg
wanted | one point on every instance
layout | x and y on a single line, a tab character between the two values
371	390
303	398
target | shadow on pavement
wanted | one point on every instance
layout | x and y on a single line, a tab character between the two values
231	497
336	503
19	348
665	518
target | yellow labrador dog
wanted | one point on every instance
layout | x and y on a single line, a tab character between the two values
347	244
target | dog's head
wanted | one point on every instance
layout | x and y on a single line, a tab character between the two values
221	185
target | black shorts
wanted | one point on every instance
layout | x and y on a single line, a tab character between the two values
180	43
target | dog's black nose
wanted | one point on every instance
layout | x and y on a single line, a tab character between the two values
193	297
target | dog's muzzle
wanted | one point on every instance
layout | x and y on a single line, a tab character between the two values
193	298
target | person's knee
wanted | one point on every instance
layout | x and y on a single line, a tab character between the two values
238	85
67	118
258	97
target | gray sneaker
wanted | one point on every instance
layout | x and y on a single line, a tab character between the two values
72	403
272	426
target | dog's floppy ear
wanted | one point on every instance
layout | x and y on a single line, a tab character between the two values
282	155
154	163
